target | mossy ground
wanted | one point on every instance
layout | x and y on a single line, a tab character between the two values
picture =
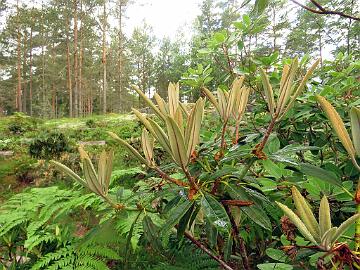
20	170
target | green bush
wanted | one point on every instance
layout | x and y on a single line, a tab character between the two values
49	145
20	123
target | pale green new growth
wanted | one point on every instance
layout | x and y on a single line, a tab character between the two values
320	234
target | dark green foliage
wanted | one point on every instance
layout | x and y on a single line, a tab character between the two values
20	123
49	144
90	123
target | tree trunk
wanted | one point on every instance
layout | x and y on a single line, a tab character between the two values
80	94
43	61
120	56
24	64
53	90
76	68
68	69
30	68
18	102
104	58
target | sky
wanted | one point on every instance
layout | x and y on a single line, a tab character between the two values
166	17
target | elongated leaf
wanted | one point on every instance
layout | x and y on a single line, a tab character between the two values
302	85
151	233
306	214
326	240
143	120
338	125
161	103
176	142
344	226
212	99
175	214
211	233
90	177
324	216
222	104
228	247
149	102
178	117
298	223
105	169
215	213
131	149
320	174
173	94
147	144
254	212
109	168
69	172
355	128
287	87
184	109
192	132
241	102
184	221
284	76
234	95
102	167
160	136
269	94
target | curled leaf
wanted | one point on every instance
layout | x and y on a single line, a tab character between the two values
324	216
298	223
147	144
306	213
269	94
355	128
131	149
149	102
338	125
177	143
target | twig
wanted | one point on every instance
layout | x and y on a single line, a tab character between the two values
207	251
170	179
323	11
262	144
235	232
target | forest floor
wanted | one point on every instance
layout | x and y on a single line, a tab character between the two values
20	169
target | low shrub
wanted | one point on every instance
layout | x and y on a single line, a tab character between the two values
49	145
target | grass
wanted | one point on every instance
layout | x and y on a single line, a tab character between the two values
92	128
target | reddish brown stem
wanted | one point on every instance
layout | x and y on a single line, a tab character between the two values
235	233
222	145
207	251
170	179
262	144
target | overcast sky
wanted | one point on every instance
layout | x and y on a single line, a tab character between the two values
165	16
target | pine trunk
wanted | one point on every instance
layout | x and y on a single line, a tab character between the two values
76	68
18	101
104	58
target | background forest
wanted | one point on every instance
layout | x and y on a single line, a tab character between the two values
233	144
71	58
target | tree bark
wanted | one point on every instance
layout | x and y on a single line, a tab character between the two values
120	55
104	58
81	51
24	65
30	68
18	102
76	68
68	68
